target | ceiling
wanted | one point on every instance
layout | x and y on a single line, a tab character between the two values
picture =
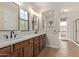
42	6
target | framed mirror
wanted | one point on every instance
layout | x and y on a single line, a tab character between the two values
35	23
8	16
24	20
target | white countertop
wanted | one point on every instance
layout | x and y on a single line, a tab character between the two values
7	42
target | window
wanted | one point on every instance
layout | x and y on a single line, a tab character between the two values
24	20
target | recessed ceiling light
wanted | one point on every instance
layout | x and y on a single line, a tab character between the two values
65	10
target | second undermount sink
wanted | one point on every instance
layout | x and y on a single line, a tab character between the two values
18	37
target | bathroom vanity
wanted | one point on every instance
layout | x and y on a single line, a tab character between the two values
14	18
27	46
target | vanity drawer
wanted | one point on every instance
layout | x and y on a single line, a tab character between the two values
20	45
36	38
40	36
36	45
36	42
5	51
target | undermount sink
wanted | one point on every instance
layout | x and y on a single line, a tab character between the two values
19	37
9	39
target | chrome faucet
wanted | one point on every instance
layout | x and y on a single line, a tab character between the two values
11	34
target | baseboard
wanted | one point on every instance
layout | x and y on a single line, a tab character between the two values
52	46
64	39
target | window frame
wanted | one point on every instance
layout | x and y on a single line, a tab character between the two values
24	19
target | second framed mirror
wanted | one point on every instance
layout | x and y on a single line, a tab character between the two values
35	23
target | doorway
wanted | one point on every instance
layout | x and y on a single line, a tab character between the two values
63	29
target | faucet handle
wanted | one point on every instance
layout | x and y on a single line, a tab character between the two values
6	36
15	35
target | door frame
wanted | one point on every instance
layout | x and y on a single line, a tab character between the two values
75	30
67	26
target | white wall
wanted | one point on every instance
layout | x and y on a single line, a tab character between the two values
53	31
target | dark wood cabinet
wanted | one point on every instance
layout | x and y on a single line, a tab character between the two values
17	53
41	43
36	46
4	52
27	48
20	45
28	51
44	40
36	51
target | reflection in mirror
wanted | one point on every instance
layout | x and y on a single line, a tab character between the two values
24	20
35	23
8	16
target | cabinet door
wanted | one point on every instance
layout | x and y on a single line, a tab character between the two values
16	53
36	51
20	45
41	44
44	40
4	52
28	50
